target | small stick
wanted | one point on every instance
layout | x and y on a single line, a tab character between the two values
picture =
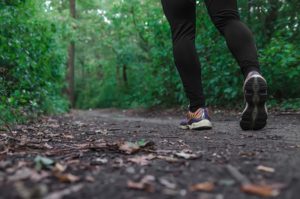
237	175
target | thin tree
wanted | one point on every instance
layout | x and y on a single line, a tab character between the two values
71	59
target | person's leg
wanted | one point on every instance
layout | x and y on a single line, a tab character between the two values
239	39
181	15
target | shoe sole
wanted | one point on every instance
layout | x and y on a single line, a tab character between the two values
201	125
255	115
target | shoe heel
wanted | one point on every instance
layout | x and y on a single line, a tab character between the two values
255	115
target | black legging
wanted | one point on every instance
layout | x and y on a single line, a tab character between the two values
181	15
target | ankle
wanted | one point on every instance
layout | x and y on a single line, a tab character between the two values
251	70
194	109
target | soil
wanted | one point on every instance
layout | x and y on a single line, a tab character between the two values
112	153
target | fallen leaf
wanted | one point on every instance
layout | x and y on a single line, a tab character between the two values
48	146
205	186
129	147
59	168
142	160
53	125
67	178
260	190
247	154
168	158
143	143
98	161
79	123
135	185
187	156
145	184
43	162
102	131
68	136
167	183
265	169
90	179
83	146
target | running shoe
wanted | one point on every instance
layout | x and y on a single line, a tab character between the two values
255	115
198	120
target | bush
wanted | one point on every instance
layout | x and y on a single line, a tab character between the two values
32	61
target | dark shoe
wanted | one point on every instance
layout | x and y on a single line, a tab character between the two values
199	120
255	115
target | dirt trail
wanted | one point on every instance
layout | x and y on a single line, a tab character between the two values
165	161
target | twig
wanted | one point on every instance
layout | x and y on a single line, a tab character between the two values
237	175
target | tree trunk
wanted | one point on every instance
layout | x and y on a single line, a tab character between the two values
271	19
71	60
125	74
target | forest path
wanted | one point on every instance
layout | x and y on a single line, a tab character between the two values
112	153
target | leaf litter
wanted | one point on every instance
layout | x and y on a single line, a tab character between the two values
246	186
71	152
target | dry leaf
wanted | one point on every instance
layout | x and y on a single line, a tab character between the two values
135	185
101	160
260	190
265	169
145	184
48	146
205	186
167	183
67	178
68	136
59	168
142	160
90	179
129	147
53	126
168	158
102	131
187	156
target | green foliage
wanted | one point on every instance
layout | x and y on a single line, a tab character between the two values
124	55
43	162
127	58
32	61
282	68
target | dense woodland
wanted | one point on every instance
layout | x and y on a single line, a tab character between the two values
122	56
